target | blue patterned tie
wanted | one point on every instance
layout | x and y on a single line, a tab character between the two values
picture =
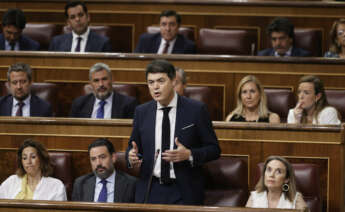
100	111
103	194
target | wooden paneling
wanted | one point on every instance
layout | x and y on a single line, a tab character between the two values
323	145
37	206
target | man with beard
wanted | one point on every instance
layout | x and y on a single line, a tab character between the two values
21	102
103	102
282	35
105	184
81	39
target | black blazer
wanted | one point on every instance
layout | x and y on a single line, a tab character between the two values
84	188
38	107
123	106
296	52
95	43
149	43
25	43
193	129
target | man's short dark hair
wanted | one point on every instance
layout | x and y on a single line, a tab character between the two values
102	142
168	13
74	4
161	66
17	67
14	17
281	25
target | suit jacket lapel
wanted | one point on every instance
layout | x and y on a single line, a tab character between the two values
120	187
90	189
115	108
179	115
89	42
34	108
178	47
68	43
2	42
151	125
8	106
88	108
157	43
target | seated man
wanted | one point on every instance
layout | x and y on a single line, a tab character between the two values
81	39
103	102
181	81
13	23
167	41
20	102
282	35
104	184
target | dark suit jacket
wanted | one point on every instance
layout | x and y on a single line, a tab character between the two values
38	107
296	52
95	43
84	188
25	43
193	129
123	106
149	43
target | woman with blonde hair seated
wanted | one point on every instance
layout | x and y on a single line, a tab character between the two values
337	42
276	187
32	181
312	106
251	103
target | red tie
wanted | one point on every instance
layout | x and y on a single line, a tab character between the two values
166	47
20	108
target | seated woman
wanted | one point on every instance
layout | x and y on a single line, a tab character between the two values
337	43
251	103
276	187
312	106
31	182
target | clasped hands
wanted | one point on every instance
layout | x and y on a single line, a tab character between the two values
179	154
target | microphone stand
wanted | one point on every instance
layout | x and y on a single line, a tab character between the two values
148	190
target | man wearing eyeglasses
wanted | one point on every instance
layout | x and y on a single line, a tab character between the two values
281	32
81	39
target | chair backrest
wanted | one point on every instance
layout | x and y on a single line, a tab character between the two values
124	89
62	164
187	32
121	164
336	98
226	182
44	90
227	41
309	39
308	180
212	98
280	100
101	30
42	33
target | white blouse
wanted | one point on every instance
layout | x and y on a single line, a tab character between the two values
259	200
328	115
48	188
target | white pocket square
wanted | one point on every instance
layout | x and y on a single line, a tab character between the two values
186	127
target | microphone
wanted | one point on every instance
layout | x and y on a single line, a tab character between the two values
148	190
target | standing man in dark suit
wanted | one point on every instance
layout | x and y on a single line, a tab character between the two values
105	184
282	35
11	38
172	138
81	39
168	40
21	102
104	102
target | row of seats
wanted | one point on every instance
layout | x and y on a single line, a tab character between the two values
279	100
244	41
227	179
210	41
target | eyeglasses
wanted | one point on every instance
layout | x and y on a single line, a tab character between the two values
340	32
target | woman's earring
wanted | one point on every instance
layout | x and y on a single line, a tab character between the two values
285	187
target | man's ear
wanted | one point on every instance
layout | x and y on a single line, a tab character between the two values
114	157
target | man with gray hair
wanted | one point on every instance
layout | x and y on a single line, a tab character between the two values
104	102
20	101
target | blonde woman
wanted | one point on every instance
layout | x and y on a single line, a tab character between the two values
251	103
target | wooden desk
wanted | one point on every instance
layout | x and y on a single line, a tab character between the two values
138	14
222	72
323	145
35	206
